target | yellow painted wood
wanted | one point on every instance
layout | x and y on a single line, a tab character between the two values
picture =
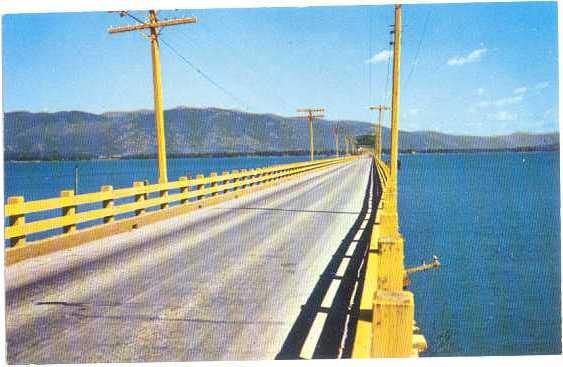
64	241
158	110
388	332
311	114
164	194
68	211
108	212
184	189
419	343
243	177
199	186
336	142
393	316
235	180
16	220
225	182
377	130
58	203
214	183
139	197
391	263
108	204
394	156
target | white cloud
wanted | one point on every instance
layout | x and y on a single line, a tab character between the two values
379	57
542	85
473	56
508	101
502	102
520	90
480	91
502	116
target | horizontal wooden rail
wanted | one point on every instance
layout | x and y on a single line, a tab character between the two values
57	203
16	208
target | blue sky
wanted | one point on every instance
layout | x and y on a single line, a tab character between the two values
480	69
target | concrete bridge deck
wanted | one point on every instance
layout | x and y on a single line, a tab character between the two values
259	277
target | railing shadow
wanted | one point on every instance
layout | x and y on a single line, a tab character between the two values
340	317
117	255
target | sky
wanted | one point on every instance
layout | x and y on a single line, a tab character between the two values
477	69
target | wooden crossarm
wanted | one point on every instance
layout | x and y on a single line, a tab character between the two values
158	24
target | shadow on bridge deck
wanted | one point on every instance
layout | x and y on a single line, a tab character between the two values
336	337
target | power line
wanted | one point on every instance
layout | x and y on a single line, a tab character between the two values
204	75
193	66
229	46
418	48
370	50
386	93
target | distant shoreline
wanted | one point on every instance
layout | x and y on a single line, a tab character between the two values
54	158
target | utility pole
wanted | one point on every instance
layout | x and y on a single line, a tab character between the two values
395	103
312	113
76	179
335	129
155	26
377	146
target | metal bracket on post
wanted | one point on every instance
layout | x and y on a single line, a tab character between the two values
435	264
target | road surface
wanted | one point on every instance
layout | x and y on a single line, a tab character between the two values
260	277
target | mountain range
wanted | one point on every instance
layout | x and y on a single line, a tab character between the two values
72	134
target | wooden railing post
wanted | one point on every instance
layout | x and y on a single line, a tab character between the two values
199	187
213	184
254	174
225	181
184	189
140	197
16	220
243	178
68	211
235	180
393	318
107	204
391	263
163	194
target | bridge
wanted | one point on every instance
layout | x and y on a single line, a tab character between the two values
294	261
259	264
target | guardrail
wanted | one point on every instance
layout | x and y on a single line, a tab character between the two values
386	326
189	194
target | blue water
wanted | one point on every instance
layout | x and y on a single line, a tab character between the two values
42	180
493	219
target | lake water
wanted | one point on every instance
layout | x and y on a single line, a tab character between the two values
42	180
493	219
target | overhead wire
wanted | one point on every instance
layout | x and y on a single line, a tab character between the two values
415	62
246	70
197	69
204	75
370	51
386	93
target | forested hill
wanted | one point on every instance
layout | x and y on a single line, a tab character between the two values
71	134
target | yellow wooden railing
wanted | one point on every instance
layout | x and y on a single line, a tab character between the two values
200	189
386	326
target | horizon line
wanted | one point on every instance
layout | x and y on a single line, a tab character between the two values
285	117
